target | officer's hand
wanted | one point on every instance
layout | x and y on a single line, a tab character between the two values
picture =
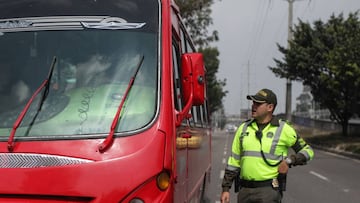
225	197
298	159
283	167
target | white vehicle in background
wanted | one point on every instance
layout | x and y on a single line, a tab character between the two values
230	128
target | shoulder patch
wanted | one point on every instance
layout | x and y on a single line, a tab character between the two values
270	135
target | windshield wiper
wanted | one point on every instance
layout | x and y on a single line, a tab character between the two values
44	95
109	139
46	84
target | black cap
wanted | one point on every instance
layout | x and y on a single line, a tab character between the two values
264	96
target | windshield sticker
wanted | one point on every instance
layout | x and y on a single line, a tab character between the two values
85	104
15	24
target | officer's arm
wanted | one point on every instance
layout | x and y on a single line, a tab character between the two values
232	169
229	177
304	153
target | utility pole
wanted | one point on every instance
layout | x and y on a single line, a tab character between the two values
248	112
248	86
288	81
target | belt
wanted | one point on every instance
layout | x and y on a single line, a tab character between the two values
255	184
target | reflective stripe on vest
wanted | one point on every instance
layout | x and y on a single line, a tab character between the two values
271	155
243	132
276	137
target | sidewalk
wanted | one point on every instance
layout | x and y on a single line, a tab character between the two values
336	151
331	142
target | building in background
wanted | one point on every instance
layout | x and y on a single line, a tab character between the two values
307	107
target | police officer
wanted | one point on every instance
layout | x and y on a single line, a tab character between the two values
259	160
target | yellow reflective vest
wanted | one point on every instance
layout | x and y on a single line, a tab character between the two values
277	137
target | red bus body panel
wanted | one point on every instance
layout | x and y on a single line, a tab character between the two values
129	167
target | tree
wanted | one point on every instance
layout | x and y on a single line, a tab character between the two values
196	14
214	86
325	57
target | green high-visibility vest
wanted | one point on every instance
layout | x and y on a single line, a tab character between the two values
277	137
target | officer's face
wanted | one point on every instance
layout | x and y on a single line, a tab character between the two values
261	111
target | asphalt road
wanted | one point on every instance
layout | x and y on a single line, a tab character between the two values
329	178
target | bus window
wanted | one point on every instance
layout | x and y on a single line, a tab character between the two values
176	74
183	41
198	115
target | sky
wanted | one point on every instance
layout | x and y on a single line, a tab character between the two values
248	33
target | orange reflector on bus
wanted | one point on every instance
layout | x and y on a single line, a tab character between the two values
163	180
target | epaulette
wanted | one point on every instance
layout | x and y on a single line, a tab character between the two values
247	120
250	120
286	121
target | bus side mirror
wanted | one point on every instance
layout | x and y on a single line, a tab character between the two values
193	78
192	81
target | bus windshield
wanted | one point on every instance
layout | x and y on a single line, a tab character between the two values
96	57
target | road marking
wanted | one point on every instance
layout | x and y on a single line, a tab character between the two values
223	160
319	176
217	201
222	172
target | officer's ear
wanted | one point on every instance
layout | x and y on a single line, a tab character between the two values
271	107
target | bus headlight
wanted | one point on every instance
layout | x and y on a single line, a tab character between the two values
136	200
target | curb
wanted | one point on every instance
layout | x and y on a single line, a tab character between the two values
332	150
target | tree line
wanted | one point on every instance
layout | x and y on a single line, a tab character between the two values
322	55
325	57
197	18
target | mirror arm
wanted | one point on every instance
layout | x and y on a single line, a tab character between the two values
184	113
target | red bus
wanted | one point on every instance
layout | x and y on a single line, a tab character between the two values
101	101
